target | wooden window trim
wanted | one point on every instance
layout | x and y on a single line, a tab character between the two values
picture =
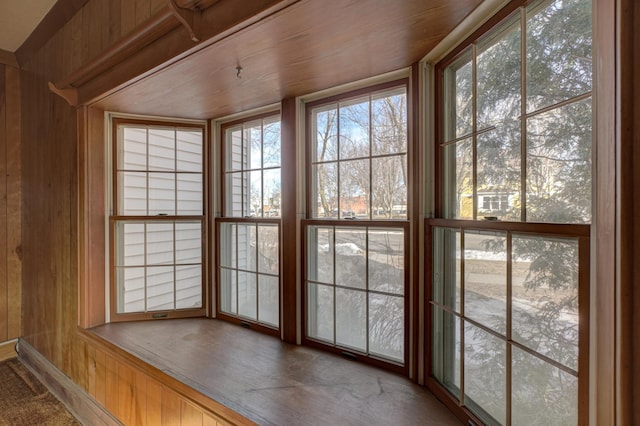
403	369
115	316
411	299
582	232
236	319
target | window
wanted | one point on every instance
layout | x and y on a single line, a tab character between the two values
356	255
249	232
158	226
510	251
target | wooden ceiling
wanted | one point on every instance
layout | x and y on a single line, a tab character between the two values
309	46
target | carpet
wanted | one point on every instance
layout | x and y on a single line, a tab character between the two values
24	400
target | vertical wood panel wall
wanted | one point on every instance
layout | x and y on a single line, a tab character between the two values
137	397
49	179
10	205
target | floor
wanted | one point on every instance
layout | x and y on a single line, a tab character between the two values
24	400
272	382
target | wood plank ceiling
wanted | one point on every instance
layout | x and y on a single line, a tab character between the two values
308	46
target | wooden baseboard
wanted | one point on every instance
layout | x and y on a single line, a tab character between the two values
77	401
8	349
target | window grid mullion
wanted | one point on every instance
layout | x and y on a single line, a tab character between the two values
366	286
462	316
474	129
523	113
332	244
509	348
146	269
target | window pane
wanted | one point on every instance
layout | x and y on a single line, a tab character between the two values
272	195
498	173
386	260
188	287
320	254
131	283
354	188
162	194
545	292
559	165
389	126
458	180
325	123
271	142
253	143
325	179
484	375
458	90
246	247
559	57
386	326
485	268
268	300
228	291
351	266
189	194
162	149
253	197
227	238
351	319
159	238
354	129
541	393
499	74
188	240
132	153
132	193
235	160
268	249
189	151
233	192
247	295
131	240
447	259
160	282
446	350
389	191
320	311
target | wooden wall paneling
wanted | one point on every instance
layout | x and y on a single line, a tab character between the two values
126	391
156	5
111	385
145	395
74	55
14	202
101	377
8	58
208	420
140	398
4	308
92	21
171	405
90	387
189	414
154	402
114	26
59	14
127	16
142	11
